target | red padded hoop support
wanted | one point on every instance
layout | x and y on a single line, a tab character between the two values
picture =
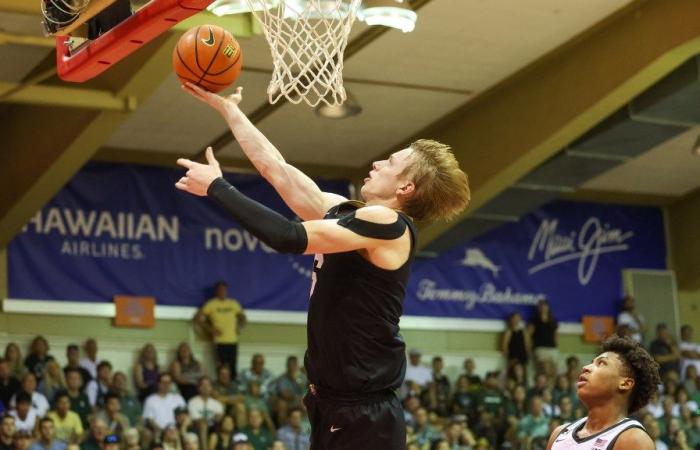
152	20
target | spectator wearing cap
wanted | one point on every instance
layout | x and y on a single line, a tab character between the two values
99	387
183	421
22	440
259	437
204	407
79	402
47	440
239	442
111	414
98	432
293	435
222	317
9	385
91	361
111	442
67	424
415	371
7	430
159	408
632	318
25	415
73	357
665	350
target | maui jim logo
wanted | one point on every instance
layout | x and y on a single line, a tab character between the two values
586	246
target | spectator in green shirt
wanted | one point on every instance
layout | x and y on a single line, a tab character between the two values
535	424
259	437
79	403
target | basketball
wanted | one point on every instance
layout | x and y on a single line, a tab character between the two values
209	57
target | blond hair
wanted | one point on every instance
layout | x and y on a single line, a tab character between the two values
441	187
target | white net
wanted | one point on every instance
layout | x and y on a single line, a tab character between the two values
307	40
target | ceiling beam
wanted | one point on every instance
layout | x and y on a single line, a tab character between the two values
510	129
68	97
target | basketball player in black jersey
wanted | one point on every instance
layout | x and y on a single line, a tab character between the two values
355	358
618	382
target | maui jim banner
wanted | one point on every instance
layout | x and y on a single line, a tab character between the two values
125	230
570	253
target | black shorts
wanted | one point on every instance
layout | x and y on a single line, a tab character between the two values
373	424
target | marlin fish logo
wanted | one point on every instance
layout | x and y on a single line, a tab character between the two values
474	257
209	42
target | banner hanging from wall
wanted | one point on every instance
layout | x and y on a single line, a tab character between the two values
570	253
125	230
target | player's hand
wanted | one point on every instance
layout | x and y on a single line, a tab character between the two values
199	176
216	101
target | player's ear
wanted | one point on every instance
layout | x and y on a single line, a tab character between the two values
626	384
406	189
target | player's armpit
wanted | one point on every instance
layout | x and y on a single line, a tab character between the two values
366	228
634	439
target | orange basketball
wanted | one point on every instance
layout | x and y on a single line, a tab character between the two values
208	56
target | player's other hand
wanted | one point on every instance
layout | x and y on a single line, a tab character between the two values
199	176
216	101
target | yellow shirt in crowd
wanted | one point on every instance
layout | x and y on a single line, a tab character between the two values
67	427
223	315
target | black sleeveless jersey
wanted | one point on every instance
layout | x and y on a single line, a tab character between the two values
354	345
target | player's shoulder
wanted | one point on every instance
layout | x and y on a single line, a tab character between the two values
377	214
555	434
634	438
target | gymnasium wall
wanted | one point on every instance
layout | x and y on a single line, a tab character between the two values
120	345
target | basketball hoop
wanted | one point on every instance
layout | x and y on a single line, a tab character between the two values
307	40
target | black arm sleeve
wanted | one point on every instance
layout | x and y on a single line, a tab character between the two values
275	230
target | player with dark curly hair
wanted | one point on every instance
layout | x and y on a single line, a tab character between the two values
617	383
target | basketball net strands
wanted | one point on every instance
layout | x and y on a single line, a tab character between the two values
307	40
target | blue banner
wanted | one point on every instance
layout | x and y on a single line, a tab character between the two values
570	253
125	230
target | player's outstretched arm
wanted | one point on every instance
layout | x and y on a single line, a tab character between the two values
368	228
297	190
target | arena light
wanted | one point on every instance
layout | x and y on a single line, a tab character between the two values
228	7
316	9
389	13
350	107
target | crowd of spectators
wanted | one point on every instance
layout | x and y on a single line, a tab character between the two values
90	405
